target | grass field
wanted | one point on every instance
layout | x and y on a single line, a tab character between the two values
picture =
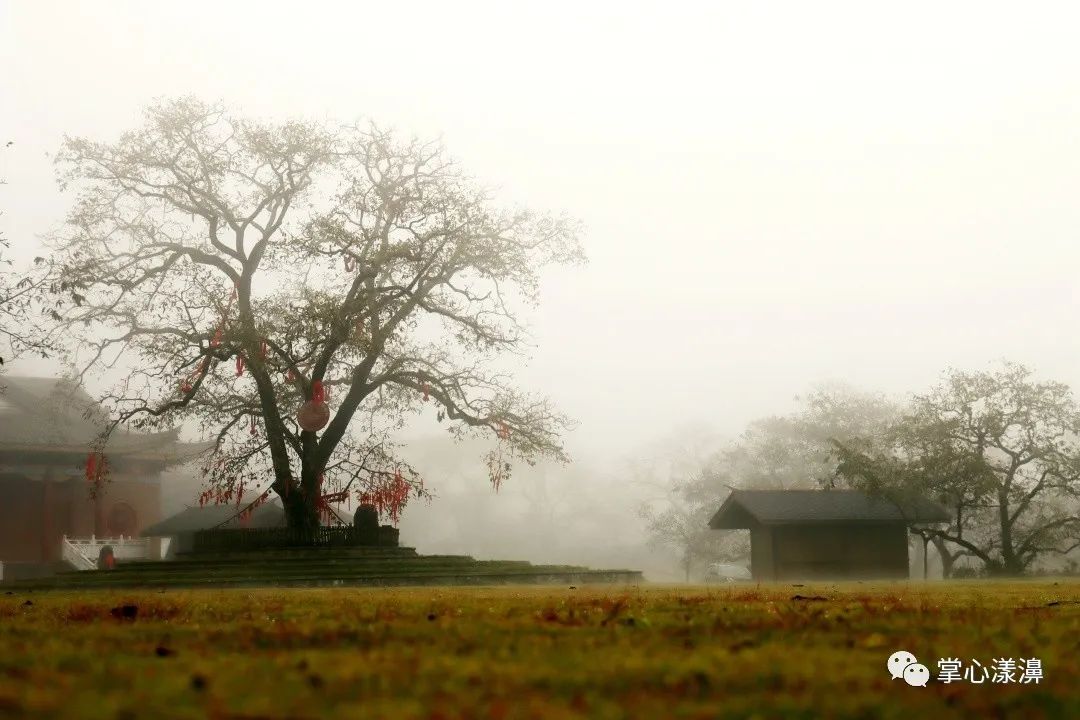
791	651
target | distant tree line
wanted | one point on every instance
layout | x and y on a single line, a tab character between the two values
998	449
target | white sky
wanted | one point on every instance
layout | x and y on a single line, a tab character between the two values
775	194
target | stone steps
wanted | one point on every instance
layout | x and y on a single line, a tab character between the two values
273	572
452	579
327	567
298	553
258	561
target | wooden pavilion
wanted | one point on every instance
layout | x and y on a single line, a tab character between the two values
824	534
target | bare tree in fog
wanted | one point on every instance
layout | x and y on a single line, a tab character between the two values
925	463
244	269
20	291
681	481
680	523
1001	451
795	451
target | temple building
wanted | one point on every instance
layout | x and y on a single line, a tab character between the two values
47	430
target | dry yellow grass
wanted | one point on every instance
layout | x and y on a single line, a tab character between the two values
653	652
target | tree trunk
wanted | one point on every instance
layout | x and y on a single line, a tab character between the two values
301	514
1010	564
947	558
301	504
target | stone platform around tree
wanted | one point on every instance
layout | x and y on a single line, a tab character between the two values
328	567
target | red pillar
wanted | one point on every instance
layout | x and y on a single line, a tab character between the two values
99	510
48	526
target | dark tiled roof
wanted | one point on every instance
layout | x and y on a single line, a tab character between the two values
46	411
204	518
54	414
811	506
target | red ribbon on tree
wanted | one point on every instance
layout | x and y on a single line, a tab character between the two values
318	392
427	389
97	467
188	383
399	494
263	347
239	365
388	497
253	425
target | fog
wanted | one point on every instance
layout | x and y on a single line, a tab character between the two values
774	195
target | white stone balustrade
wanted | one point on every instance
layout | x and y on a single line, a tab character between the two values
82	553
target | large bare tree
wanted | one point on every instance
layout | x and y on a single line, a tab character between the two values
239	269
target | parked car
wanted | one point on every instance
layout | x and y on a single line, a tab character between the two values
724	573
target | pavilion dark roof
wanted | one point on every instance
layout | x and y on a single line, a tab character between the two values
743	508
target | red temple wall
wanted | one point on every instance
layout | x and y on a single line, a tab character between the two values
35	514
20	520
